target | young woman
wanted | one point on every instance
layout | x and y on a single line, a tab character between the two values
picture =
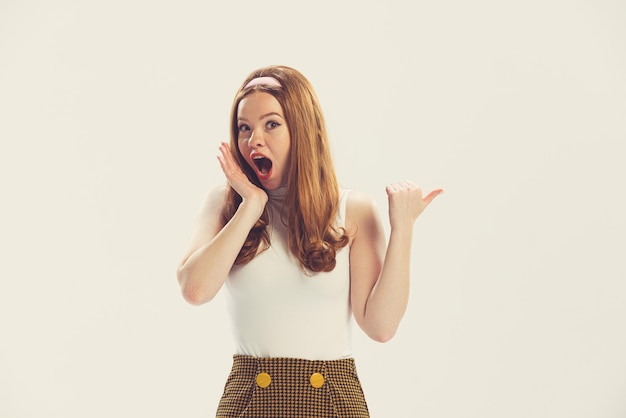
299	257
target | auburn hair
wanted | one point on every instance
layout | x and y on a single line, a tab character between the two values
312	195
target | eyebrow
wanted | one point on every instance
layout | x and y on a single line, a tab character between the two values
265	116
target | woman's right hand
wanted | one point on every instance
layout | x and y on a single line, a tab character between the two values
238	180
214	246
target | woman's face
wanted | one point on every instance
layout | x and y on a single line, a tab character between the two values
263	138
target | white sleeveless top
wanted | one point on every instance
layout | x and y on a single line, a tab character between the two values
279	310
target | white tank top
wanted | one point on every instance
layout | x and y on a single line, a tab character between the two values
279	310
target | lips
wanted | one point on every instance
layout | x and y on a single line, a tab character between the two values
263	166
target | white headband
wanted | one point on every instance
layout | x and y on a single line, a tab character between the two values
268	81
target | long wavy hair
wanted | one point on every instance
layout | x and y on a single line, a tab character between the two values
312	195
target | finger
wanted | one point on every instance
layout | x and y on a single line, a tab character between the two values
391	188
222	156
232	153
224	161
409	184
225	150
230	164
430	196
231	172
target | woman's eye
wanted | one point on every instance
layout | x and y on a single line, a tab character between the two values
272	124
243	128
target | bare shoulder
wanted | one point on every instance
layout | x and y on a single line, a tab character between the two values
214	199
209	218
361	211
359	204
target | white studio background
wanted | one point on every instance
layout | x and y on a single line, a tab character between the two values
110	117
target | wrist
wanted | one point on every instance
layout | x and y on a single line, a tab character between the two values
402	231
252	207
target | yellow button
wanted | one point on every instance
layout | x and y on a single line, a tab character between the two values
317	380
263	380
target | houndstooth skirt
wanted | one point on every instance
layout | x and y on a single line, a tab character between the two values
291	387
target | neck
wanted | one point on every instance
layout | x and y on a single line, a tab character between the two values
277	194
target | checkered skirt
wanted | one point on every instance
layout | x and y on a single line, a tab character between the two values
290	392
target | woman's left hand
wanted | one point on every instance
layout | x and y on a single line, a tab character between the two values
406	203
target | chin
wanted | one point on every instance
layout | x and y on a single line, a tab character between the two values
271	184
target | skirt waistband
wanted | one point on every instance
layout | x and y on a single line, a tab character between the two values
289	364
269	387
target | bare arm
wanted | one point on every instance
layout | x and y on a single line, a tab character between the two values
380	274
213	248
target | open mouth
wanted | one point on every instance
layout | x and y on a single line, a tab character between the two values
263	166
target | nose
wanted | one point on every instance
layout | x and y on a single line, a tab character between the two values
256	139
